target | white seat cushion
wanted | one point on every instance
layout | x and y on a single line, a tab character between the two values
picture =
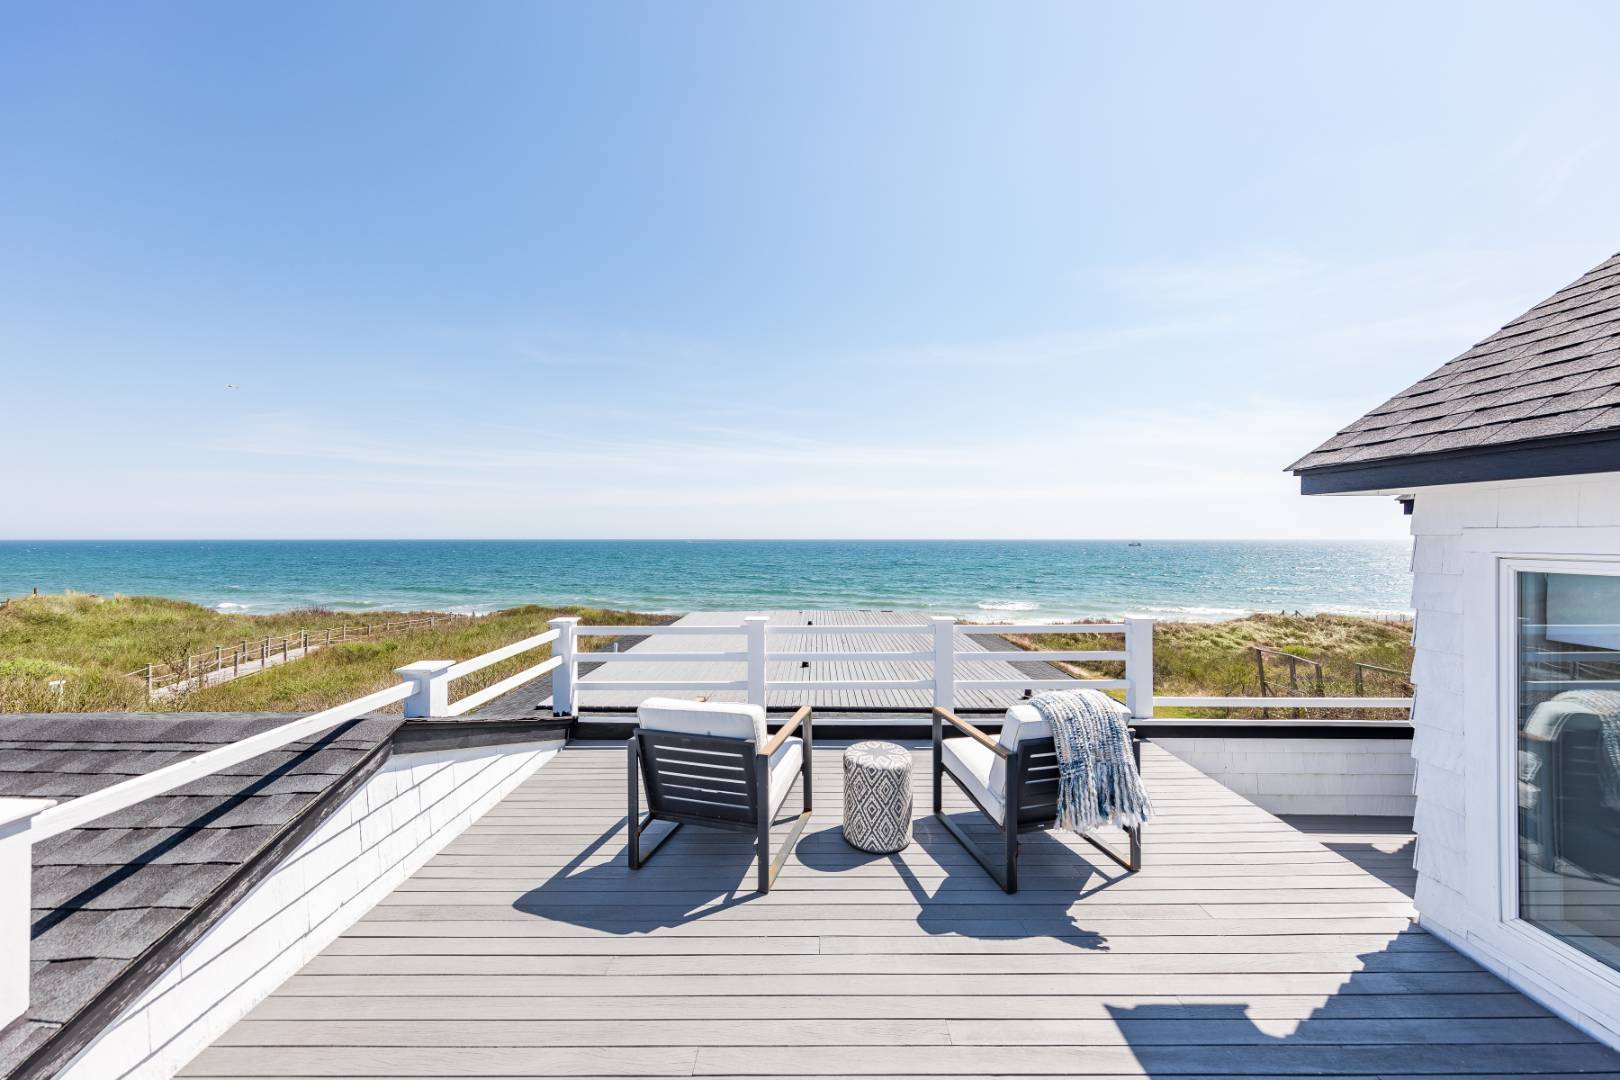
703	718
984	772
727	722
973	764
784	770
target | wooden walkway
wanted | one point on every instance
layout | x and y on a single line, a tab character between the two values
647	666
1244	948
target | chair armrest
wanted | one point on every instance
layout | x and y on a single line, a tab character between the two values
800	717
973	733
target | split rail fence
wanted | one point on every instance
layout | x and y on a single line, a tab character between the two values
225	662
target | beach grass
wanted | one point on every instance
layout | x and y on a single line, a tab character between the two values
92	643
1216	659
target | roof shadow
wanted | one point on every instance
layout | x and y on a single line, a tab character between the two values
1416	1006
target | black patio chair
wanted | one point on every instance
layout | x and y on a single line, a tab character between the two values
712	764
1010	778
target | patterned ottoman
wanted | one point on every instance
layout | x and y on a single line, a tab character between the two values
877	796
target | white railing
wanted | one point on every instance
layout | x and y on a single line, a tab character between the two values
946	649
942	657
25	822
425	692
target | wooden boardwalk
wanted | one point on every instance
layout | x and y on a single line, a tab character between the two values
1245	947
999	663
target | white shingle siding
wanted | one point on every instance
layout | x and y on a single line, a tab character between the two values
1458	534
1307	776
402	816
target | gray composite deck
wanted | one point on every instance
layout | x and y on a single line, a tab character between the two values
647	666
1245	947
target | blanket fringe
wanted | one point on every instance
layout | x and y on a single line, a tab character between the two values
1098	782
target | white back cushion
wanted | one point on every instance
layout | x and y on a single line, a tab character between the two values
1023	722
703	718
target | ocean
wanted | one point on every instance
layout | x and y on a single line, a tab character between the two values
990	579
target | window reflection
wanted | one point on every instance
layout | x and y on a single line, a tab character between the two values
1569	758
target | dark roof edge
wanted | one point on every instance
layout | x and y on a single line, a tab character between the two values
407	738
1567	455
82	1028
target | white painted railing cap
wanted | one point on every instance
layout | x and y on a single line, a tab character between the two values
15	814
424	667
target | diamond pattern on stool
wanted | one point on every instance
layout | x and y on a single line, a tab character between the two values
877	796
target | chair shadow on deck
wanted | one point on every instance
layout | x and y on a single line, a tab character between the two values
609	897
966	902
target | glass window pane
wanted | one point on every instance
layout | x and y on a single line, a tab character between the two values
1569	758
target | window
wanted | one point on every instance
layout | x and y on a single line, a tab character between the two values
1567	707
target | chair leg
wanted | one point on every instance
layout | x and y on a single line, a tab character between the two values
1010	845
632	818
806	771
635	824
939	766
762	792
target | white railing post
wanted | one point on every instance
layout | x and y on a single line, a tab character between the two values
944	661
755	626
565	678
1139	668
430	690
16	899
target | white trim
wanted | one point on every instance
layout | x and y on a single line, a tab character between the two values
1478	913
408	811
1529	936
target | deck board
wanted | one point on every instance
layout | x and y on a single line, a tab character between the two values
1246	946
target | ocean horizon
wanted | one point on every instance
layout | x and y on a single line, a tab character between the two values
980	579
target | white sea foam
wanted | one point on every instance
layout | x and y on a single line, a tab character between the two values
1007	605
228	606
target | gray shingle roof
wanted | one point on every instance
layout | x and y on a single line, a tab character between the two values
107	893
1553	371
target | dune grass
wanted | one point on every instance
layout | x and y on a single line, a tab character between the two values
92	642
1215	659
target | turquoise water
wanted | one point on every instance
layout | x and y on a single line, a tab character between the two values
981	579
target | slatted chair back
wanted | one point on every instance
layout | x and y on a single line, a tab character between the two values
709	764
701	779
1036	764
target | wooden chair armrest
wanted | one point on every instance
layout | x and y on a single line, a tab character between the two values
800	717
973	733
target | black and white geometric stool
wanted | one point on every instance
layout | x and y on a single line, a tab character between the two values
877	796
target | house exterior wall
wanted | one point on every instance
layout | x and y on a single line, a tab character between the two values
1370	777
402	816
1461	746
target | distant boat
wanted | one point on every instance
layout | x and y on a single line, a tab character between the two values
1134	543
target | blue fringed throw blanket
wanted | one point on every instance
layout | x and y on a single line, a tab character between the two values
1098	783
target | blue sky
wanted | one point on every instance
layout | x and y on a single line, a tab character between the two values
762	270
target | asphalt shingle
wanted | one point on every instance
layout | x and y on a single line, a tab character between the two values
106	893
1555	370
